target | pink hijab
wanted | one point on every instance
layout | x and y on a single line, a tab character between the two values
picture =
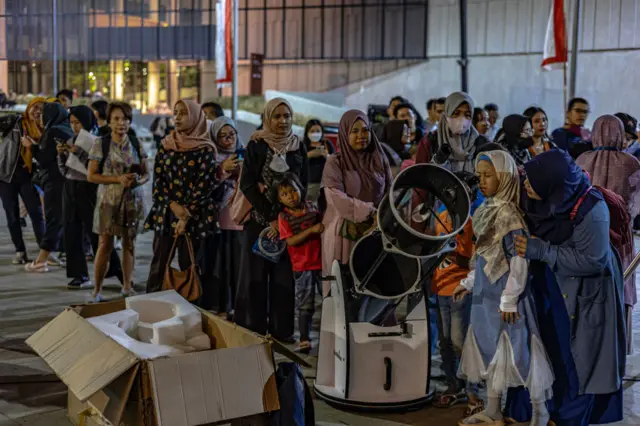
197	134
371	165
608	166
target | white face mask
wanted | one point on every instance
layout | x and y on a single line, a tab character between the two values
315	136
458	125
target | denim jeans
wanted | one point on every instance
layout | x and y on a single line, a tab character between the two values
453	322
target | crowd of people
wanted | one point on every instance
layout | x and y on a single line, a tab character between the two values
532	302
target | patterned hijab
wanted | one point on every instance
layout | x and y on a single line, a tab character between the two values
288	142
463	146
607	165
195	137
498	215
371	164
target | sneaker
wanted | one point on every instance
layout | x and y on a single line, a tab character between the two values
80	283
96	298
128	293
62	255
118	244
36	267
20	259
55	261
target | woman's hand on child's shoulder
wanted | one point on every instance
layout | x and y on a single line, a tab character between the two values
459	293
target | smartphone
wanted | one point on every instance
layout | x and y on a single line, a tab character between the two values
240	152
136	169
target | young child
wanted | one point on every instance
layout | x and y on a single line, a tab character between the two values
300	225
453	316
502	345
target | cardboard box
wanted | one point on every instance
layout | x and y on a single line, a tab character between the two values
110	385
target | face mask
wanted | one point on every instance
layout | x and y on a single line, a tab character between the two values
524	143
315	137
279	163
458	125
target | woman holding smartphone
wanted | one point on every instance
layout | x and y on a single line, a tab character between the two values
221	260
117	163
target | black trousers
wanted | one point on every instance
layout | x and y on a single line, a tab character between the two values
78	206
10	194
220	266
265	295
162	250
53	215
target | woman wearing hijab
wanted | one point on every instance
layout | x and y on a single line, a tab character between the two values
185	173
56	131
18	134
265	296
578	286
318	149
79	199
611	168
220	263
118	164
516	136
540	124
456	140
353	183
503	345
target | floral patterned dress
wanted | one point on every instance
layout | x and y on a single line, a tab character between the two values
119	211
189	179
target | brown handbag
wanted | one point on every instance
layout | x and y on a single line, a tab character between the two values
187	282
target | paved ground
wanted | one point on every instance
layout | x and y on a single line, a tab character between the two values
31	395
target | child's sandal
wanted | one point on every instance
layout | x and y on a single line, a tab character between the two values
472	409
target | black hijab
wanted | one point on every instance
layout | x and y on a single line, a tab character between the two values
561	183
85	116
56	120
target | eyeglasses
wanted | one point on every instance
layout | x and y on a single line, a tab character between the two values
228	136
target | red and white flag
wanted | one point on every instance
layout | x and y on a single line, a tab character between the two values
224	43
555	41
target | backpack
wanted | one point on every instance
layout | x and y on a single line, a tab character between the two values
106	147
620	232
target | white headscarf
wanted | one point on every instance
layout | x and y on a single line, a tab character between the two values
499	215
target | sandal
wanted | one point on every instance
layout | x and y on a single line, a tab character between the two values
448	399
474	408
304	347
480	419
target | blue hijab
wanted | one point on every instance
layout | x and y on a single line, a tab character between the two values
561	183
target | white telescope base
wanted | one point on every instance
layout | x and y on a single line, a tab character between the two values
359	370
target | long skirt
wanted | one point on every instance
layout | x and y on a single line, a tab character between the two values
566	408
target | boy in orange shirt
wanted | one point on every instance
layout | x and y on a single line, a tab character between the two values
453	316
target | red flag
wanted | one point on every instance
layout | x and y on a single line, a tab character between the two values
555	41
224	43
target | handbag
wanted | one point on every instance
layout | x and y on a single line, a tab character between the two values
267	248
239	206
353	231
187	282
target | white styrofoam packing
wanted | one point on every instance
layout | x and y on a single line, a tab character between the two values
156	325
127	320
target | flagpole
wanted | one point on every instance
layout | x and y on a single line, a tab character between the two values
564	86
574	51
234	93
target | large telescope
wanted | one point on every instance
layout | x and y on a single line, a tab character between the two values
369	357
